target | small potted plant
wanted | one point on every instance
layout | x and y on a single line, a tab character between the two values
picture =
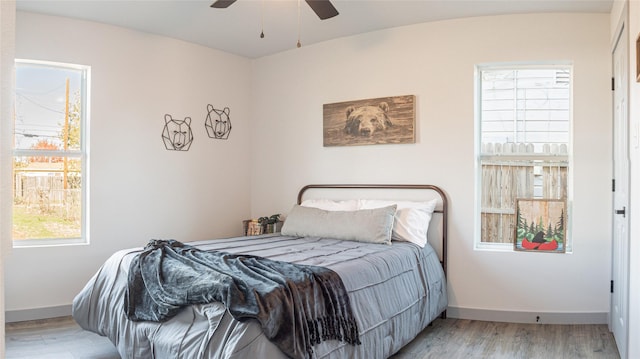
270	224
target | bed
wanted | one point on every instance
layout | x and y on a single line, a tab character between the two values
395	289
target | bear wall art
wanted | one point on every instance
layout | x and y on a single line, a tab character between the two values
385	120
540	225
177	134
218	123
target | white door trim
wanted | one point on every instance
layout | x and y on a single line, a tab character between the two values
619	305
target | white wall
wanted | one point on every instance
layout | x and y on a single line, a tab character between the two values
7	49
141	191
138	189
435	62
634	203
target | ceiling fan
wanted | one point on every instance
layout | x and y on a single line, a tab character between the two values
323	8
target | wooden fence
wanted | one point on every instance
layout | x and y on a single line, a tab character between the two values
46	193
512	171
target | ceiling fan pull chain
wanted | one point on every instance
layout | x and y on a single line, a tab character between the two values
298	44
262	19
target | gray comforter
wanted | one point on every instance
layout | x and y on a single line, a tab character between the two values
296	305
395	291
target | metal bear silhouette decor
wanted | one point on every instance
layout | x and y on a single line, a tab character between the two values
219	125
177	134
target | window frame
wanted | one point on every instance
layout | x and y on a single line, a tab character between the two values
478	156
82	154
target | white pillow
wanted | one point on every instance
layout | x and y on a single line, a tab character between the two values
411	220
368	225
331	205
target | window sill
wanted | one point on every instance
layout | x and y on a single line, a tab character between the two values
494	247
505	247
42	243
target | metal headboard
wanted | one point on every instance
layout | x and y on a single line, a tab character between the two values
436	189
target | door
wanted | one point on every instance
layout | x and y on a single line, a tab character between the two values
620	251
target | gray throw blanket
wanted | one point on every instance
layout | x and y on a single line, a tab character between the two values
297	306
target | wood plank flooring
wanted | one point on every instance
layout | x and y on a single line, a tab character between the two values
62	338
459	338
59	338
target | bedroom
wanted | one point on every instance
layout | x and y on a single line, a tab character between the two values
276	104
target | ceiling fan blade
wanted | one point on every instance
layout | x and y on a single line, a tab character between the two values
222	4
323	8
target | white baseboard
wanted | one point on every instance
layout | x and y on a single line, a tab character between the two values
452	312
528	317
12	316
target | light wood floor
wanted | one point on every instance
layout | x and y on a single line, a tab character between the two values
61	338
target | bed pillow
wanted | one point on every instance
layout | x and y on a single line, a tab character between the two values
331	205
368	225
411	220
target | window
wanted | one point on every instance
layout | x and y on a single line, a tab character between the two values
50	164
523	144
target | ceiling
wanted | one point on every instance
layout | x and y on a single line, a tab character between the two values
237	28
